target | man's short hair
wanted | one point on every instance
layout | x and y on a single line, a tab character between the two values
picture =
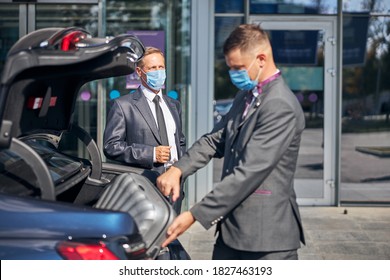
246	37
148	51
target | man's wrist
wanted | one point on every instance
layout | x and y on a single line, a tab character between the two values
175	170
191	217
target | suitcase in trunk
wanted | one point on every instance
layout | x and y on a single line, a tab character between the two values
136	195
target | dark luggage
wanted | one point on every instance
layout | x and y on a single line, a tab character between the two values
136	195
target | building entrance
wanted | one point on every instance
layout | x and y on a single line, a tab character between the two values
305	52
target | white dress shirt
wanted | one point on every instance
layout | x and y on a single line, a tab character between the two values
169	121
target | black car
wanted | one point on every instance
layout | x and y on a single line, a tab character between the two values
54	205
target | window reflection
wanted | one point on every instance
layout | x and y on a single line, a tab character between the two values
293	7
224	89
365	123
365	153
373	6
9	30
136	15
229	6
81	15
119	17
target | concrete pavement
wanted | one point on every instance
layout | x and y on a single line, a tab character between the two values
332	233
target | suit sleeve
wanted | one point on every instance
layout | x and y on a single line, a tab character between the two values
201	152
274	129
208	146
116	146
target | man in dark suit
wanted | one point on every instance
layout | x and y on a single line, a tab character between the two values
133	133
254	205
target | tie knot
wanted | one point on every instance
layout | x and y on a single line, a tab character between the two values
156	99
249	97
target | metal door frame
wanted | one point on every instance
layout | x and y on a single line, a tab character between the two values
331	134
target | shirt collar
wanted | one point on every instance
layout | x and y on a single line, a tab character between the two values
150	94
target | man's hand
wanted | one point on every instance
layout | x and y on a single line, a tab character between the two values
169	182
179	225
163	153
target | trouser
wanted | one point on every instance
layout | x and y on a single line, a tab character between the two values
177	204
223	252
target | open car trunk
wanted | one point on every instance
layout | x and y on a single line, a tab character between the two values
40	83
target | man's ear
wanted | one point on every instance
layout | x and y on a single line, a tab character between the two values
138	70
262	57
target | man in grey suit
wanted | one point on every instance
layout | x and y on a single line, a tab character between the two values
132	134
254	205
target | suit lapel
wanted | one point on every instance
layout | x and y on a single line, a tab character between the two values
143	107
237	119
239	122
257	102
253	108
173	110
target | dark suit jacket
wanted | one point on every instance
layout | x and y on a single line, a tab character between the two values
131	132
254	204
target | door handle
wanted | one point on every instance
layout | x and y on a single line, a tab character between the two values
331	183
331	71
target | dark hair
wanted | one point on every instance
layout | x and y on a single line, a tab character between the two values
245	37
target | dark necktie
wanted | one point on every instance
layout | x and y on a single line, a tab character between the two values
248	101
162	129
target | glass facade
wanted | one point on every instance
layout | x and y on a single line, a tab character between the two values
224	89
223	6
170	19
163	24
61	15
293	7
365	140
9	29
365	94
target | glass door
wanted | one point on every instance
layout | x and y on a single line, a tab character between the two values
9	29
305	52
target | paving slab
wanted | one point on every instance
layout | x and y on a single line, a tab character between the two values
332	233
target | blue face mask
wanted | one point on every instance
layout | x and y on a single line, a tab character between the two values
241	80
155	79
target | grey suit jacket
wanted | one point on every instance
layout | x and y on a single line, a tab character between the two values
131	132
254	204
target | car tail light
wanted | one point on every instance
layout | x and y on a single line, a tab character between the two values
135	250
70	40
67	39
83	251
